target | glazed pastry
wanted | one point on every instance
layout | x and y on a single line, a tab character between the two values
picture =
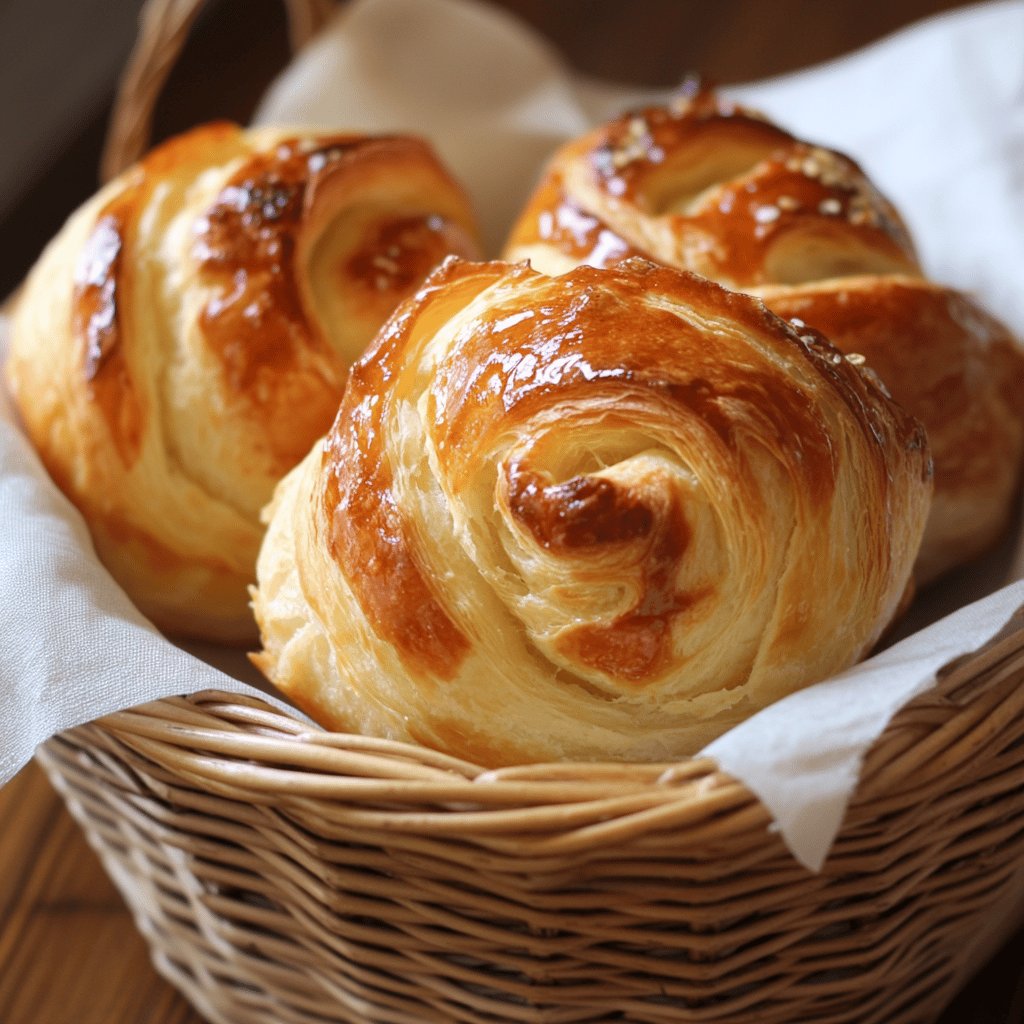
709	186
959	371
585	517
186	337
714	188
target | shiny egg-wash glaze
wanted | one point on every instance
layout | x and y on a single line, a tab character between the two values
186	338
706	185
714	188
586	517
96	321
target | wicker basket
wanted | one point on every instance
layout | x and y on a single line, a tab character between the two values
284	875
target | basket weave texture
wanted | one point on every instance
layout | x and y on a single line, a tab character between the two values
285	875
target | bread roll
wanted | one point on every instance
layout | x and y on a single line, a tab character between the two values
712	187
604	515
186	337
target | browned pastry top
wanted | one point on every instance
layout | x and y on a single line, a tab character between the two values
187	336
707	185
587	516
714	187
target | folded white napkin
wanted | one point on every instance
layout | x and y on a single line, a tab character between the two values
936	114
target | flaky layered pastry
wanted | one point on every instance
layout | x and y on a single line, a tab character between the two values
603	515
712	187
186	337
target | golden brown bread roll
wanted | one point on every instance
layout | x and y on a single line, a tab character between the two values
709	186
604	515
185	339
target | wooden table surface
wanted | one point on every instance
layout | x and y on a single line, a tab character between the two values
69	953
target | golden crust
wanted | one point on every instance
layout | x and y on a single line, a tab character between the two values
586	517
185	339
708	186
961	374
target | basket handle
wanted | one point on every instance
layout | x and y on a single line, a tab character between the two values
164	26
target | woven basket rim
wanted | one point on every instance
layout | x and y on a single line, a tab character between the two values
241	743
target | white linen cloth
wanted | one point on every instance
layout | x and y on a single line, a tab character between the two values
936	116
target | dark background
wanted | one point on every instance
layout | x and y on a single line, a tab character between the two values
59	65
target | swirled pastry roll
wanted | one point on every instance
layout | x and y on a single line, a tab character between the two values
710	186
603	515
186	337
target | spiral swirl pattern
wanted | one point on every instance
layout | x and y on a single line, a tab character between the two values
186	338
707	185
586	517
